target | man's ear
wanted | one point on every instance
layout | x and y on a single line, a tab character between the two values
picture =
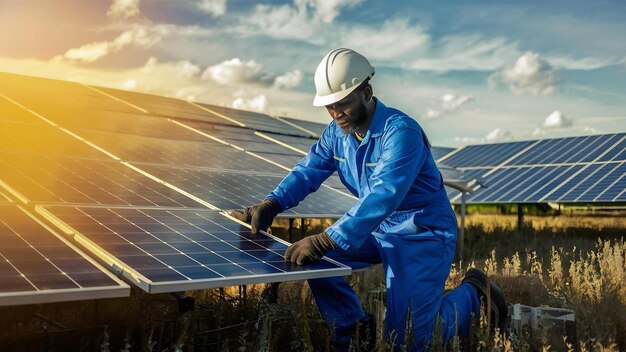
368	92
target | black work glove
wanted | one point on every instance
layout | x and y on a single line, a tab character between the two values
310	249
259	216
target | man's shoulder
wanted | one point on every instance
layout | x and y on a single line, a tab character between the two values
397	119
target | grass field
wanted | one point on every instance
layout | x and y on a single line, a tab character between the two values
574	262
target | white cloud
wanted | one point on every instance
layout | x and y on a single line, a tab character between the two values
529	74
449	103
139	36
186	69
121	9
465	52
498	134
257	103
556	120
214	7
235	71
328	10
586	63
373	41
289	80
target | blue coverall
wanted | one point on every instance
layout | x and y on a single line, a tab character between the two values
402	219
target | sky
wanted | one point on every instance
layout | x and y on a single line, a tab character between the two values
469	72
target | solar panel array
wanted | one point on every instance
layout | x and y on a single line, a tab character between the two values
582	169
89	151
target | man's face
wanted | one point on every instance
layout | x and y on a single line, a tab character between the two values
350	112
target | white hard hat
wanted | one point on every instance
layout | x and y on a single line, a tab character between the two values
340	72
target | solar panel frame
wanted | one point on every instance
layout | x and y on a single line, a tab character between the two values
44	267
174	259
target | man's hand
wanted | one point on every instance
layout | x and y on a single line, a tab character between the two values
310	249
259	216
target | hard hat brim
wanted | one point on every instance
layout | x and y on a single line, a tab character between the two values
323	100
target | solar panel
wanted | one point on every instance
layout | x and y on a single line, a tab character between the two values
256	121
484	155
617	152
13	113
164	106
439	152
209	154
39	266
177	250
84	181
237	190
36	138
314	128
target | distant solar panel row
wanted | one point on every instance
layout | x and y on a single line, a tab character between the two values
176	250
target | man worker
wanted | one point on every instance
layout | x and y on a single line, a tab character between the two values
403	218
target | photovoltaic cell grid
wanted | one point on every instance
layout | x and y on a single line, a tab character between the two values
257	121
209	154
484	155
38	266
567	170
314	127
84	181
439	152
36	138
9	112
176	250
166	107
231	190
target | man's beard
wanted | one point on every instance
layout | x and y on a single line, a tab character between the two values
355	123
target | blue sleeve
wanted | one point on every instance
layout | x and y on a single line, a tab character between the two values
403	154
308	174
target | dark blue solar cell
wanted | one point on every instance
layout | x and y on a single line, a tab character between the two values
188	247
615	192
613	152
526	181
610	175
230	270
571	183
588	177
559	176
161	274
545	174
122	249
439	152
266	256
484	155
197	272
176	259
261	268
238	257
208	258
158	248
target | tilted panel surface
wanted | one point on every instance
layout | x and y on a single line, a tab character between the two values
176	250
607	185
485	154
163	106
37	266
13	113
317	128
207	154
35	138
232	190
257	121
69	180
439	152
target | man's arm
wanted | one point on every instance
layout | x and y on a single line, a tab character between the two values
308	175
